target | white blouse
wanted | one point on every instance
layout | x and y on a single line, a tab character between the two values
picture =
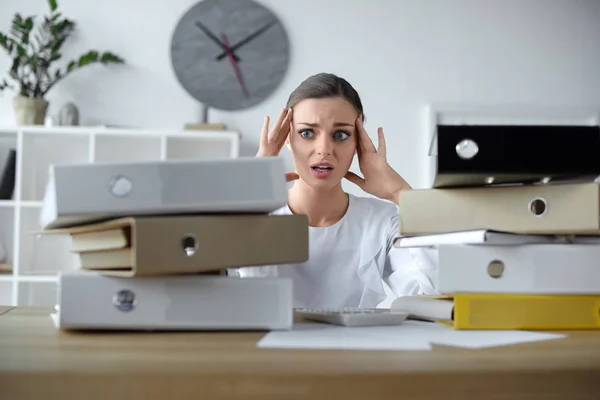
350	260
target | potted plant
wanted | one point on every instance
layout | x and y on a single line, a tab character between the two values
33	54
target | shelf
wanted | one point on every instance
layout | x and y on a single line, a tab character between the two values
37	294
189	147
8	138
127	148
6	292
33	204
42	150
7	221
46	130
38	278
42	254
37	259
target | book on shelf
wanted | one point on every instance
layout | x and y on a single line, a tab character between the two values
8	167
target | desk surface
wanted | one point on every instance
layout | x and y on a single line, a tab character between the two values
39	362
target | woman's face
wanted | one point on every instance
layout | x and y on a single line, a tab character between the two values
323	140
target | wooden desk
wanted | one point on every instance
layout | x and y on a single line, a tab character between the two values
39	362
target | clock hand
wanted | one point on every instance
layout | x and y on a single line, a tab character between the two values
213	37
234	64
246	40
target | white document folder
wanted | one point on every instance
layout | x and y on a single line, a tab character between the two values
525	269
478	236
89	301
84	193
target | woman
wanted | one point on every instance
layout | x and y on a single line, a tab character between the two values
351	237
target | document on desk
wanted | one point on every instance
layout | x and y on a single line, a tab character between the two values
411	335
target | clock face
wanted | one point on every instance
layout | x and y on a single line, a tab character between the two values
229	54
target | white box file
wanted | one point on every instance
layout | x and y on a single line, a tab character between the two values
83	193
89	301
525	269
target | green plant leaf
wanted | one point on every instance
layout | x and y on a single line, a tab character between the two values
4	85
14	69
108	57
21	51
34	52
88	58
58	44
4	42
28	24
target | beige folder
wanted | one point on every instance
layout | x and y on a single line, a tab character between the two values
168	245
555	209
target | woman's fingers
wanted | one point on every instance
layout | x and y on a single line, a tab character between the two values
365	141
291	176
380	142
285	129
271	141
357	180
264	133
277	126
288	118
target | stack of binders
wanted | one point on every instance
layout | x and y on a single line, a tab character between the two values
155	241
514	214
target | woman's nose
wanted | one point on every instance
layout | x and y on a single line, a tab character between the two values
324	145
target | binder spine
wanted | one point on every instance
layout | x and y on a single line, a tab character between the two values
476	311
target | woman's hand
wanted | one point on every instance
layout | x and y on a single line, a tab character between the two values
380	179
271	142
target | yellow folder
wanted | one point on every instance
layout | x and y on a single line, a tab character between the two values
489	311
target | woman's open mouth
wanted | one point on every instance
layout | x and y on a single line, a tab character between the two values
322	170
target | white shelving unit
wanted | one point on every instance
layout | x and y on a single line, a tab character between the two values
36	259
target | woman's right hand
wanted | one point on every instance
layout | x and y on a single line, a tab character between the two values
271	142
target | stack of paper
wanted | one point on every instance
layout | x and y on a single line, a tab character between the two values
409	336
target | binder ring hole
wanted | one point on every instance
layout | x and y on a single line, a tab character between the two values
120	186
124	300
189	244
467	149
495	269
538	206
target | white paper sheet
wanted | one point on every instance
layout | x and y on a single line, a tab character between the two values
411	335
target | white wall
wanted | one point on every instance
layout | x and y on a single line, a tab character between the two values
400	55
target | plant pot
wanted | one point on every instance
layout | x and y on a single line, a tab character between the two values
30	110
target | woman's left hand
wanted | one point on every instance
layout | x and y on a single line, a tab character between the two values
380	179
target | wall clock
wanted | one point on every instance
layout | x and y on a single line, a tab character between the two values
229	54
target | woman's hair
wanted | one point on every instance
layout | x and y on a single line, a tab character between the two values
325	85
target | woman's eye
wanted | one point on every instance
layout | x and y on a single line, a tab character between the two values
306	134
341	135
